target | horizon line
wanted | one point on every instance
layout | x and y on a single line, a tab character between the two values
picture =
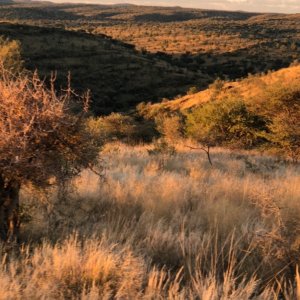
96	2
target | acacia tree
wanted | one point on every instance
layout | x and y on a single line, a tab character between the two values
224	123
40	140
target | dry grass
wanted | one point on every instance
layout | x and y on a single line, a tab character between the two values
164	227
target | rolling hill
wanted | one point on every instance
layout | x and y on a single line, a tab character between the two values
250	89
127	54
118	76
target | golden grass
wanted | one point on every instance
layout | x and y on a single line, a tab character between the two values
164	227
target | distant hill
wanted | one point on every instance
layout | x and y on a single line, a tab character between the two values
123	4
127	54
5	1
118	76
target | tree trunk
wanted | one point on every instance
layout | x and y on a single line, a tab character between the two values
9	210
208	155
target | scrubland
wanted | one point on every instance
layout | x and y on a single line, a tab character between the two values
157	220
129	54
161	226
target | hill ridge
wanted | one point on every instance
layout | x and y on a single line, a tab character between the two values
247	88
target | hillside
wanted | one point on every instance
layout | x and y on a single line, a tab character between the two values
118	76
127	54
249	89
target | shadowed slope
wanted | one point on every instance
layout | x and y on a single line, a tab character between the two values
118	75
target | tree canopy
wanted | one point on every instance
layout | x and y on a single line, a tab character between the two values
226	122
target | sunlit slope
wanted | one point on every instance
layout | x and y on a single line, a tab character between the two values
248	88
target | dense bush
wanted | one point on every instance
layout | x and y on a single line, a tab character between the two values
120	127
114	126
226	122
282	108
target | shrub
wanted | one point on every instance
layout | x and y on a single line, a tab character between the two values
113	127
10	55
227	122
170	127
161	146
120	127
217	85
192	90
282	108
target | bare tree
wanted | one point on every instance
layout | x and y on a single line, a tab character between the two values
40	140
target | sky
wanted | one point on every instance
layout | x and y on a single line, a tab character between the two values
284	6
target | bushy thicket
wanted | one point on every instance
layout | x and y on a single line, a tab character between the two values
269	121
120	127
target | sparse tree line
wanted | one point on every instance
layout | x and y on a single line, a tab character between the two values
272	124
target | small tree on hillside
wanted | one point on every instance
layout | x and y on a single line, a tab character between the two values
40	139
227	122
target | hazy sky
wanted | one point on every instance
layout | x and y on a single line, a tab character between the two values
286	6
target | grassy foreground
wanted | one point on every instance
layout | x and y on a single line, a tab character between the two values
159	226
